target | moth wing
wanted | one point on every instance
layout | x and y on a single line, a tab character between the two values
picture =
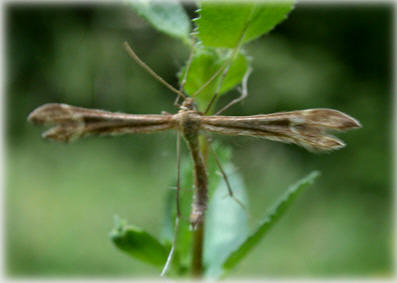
73	122
306	128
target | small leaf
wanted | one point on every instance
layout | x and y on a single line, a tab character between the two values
139	244
272	217
226	222
168	17
221	24
206	62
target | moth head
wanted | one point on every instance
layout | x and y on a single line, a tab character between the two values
188	104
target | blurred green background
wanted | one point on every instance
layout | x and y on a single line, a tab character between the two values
61	199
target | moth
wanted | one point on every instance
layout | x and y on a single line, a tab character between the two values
307	128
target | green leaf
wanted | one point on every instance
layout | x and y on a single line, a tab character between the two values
270	219
226	222
221	24
139	244
206	62
168	17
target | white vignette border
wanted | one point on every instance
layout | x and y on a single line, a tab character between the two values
3	155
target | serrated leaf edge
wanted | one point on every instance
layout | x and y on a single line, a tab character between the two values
291	191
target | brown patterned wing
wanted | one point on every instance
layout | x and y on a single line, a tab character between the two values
74	122
307	128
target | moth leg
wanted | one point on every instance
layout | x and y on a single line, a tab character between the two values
213	98
178	174
226	67
243	90
229	188
178	207
189	62
133	55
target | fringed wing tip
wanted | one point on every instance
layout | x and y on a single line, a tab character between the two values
347	122
58	134
324	143
330	119
355	124
55	114
47	113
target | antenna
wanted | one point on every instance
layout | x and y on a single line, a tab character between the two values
148	69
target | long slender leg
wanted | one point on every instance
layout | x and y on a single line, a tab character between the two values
213	98
225	71
132	54
189	62
243	91
178	207
211	78
223	68
178	175
229	188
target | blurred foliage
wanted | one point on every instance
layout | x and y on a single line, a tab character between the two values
60	199
170	18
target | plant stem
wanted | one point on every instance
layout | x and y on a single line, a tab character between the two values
197	260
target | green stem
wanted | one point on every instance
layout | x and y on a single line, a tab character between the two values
197	260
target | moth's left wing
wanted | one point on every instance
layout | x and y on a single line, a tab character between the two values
71	122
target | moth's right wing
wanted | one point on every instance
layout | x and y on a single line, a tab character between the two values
307	128
73	122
